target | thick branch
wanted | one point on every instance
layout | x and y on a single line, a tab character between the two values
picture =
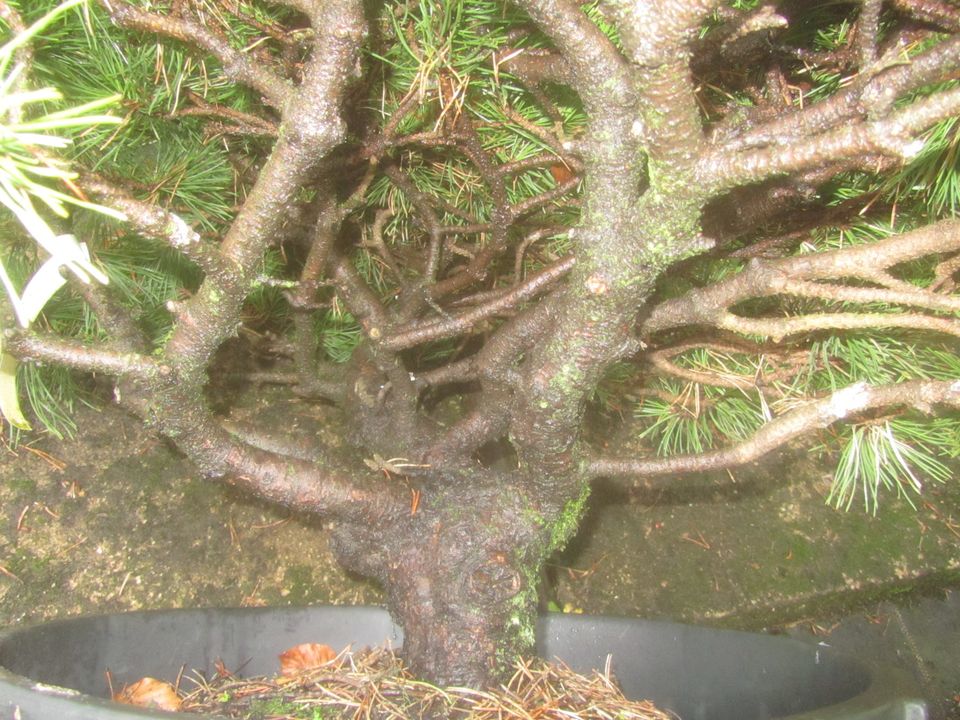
376	321
41	348
868	29
612	274
710	305
844	404
312	128
662	360
874	96
779	328
893	136
488	421
240	122
494	363
909	296
315	486
853	123
587	53
941	14
303	299
359	299
113	317
656	36
236	65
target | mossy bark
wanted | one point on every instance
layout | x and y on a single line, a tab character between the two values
462	572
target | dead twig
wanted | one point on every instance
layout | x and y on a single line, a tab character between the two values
56	464
699	540
6	571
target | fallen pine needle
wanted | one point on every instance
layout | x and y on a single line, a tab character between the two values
373	683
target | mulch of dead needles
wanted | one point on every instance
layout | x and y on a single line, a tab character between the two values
373	684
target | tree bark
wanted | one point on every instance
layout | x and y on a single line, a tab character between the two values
462	571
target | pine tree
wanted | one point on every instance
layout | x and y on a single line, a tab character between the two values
730	220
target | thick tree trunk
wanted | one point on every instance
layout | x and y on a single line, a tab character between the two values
462	574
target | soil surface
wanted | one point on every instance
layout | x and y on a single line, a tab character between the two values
118	520
756	547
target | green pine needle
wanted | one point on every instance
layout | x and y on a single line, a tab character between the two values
888	456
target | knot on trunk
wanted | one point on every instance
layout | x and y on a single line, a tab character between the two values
494	578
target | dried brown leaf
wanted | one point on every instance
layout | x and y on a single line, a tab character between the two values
305	656
149	693
561	173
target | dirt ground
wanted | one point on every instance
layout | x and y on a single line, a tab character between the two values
118	520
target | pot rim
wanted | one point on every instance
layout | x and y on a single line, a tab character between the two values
885	688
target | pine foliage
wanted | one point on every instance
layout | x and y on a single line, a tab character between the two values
443	57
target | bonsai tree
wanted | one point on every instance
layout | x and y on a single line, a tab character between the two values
477	227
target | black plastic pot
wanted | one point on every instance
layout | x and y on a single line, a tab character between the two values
700	674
